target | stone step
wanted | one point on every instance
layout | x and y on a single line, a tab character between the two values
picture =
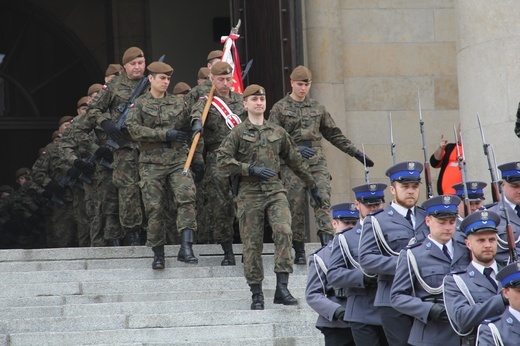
288	341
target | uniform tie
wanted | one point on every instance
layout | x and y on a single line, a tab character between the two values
517	208
409	216
445	250
487	274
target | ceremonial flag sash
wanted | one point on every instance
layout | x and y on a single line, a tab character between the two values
230	118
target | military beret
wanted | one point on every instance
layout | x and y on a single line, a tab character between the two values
221	68
369	194
475	190
442	206
64	119
55	134
510	171
6	188
94	88
113	69
22	171
405	172
254	89
181	88
345	211
132	53
215	54
83	101
301	73
509	276
480	221
160	67
203	73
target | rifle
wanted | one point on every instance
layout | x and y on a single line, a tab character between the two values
462	167
427	173
392	144
495	189
246	70
367	180
513	257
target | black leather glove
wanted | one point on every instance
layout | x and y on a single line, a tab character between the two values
306	151
438	313
73	172
111	130
176	136
105	153
197	127
198	171
84	167
359	156
263	172
53	189
369	281
317	197
504	299
339	314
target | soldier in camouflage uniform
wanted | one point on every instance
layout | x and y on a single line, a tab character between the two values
307	121
220	207
161	127
253	150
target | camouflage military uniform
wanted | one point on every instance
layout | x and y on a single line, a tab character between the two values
220	208
308	122
161	163
263	145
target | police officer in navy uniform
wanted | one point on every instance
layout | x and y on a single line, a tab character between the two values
385	233
504	329
320	294
345	272
475	195
472	295
420	272
511	188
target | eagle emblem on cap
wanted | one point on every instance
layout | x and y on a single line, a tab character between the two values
411	166
372	187
517	165
353	207
518	266
446	200
484	215
474	185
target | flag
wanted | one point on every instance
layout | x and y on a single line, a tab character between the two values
231	57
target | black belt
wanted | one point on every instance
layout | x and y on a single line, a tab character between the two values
340	293
433	300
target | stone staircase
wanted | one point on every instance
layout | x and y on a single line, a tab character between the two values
111	296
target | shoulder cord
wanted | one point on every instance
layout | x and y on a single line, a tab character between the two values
503	243
318	261
380	238
412	264
345	252
465	291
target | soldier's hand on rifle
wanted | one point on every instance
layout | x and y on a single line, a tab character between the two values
306	151
104	153
176	136
84	167
317	197
339	314
359	156
73	172
198	171
197	127
263	172
438	313
53	189
111	130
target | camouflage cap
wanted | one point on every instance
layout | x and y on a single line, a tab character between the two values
132	53
160	67
83	101
113	69
215	54
22	171
6	188
301	73
221	68
254	89
203	73
181	88
64	119
94	88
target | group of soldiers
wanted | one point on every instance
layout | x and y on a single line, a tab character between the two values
404	274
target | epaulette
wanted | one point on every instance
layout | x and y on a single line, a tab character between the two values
491	319
345	230
375	212
487	206
419	207
315	252
411	246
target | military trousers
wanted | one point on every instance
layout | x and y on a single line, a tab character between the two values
82	220
61	226
154	178
255	202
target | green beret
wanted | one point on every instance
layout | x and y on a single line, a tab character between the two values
254	89
132	53
83	101
203	73
160	67
113	69
22	171
221	68
55	134
215	54
181	88
64	119
94	88
301	73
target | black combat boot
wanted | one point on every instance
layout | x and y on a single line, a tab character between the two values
299	252
133	238
115	242
258	297
185	252
325	238
282	294
158	258
229	256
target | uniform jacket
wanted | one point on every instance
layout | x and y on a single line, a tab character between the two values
502	256
407	293
508	327
488	302
324	303
342	273
397	232
51	166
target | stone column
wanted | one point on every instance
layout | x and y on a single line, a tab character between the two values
489	80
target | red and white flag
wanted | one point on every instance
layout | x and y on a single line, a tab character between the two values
231	57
